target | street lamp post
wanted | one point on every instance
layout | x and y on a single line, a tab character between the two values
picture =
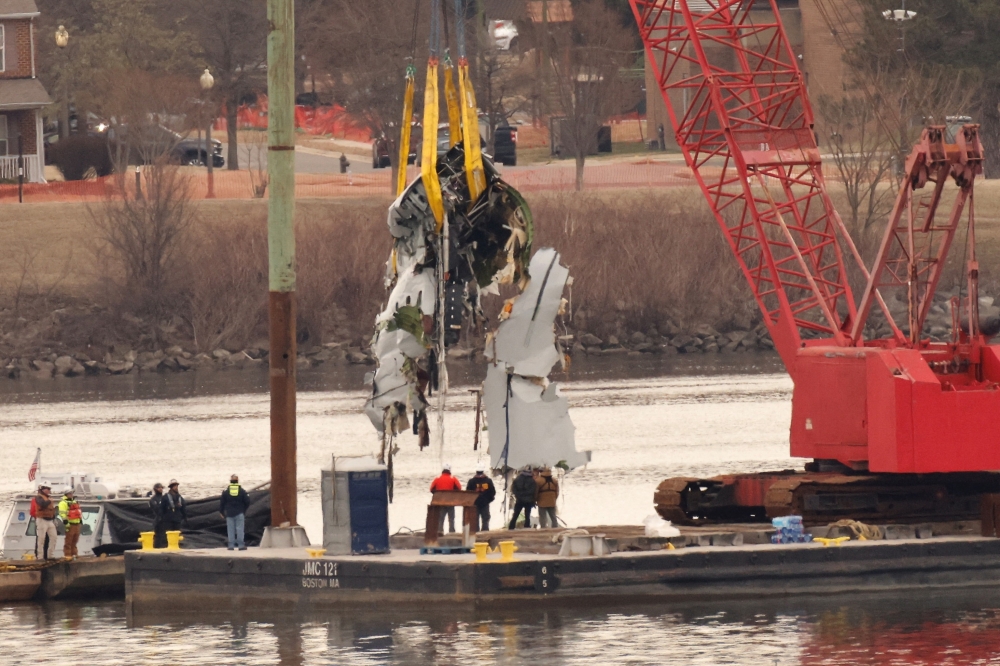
62	39
207	81
900	17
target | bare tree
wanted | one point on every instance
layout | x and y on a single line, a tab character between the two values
587	57
139	240
232	36
254	153
504	83
364	47
863	155
141	107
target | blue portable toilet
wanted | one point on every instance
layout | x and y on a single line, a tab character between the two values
355	496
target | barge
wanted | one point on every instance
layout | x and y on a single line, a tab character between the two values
291	580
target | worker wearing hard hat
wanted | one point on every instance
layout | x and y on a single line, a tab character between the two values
483	485
446	482
233	505
69	512
525	492
174	507
45	523
156	507
548	493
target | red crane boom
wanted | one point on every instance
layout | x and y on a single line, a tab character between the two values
902	404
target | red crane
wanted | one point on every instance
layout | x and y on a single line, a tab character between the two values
923	415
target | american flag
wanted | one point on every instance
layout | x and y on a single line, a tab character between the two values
35	466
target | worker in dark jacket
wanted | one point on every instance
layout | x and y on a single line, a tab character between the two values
233	506
525	492
156	506
174	508
483	485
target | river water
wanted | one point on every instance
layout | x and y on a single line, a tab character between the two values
643	422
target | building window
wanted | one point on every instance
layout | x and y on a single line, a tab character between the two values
3	136
3	50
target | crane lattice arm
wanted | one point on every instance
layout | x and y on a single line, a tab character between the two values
740	114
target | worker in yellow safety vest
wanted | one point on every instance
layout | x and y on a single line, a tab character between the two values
233	506
69	512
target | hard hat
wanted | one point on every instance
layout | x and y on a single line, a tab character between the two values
68	490
44	487
173	482
447	467
479	470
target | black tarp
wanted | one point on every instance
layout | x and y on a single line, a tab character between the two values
205	527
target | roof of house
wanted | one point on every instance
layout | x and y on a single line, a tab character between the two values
10	8
22	94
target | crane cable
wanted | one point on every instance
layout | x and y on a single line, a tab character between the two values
474	173
404	133
405	127
450	94
428	157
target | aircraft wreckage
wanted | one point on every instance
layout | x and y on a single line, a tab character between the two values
434	292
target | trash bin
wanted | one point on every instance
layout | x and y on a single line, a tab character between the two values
355	497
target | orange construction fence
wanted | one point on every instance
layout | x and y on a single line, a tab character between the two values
239	184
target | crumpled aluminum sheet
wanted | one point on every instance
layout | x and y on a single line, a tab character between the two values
520	401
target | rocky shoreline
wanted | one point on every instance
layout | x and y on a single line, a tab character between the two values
56	361
49	364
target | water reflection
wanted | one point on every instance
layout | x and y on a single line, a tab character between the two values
940	627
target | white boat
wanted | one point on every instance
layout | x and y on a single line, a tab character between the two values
92	492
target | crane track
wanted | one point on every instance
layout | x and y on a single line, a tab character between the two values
822	498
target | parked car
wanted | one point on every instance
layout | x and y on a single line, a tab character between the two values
505	145
191	152
504	35
188	151
380	152
444	143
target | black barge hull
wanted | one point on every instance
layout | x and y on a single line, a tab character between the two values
288	580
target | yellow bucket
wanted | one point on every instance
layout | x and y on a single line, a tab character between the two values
174	539
481	549
507	550
146	539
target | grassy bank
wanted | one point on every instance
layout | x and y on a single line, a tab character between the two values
643	261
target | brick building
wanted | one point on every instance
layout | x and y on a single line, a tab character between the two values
22	95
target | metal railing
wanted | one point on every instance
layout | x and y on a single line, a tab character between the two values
32	168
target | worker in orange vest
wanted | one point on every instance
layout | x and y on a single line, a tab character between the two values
69	512
446	482
45	523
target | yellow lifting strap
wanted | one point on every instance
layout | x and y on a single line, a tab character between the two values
428	155
474	173
404	129
454	111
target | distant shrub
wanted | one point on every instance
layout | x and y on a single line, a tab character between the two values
78	154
